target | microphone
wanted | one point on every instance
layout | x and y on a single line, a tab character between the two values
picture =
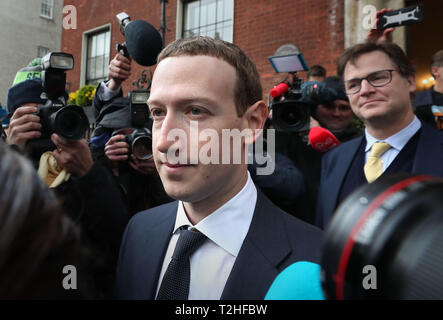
322	139
143	42
279	89
299	281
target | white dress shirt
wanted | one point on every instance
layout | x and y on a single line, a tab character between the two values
225	229
396	141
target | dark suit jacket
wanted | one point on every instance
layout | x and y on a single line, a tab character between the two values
336	163
274	240
423	107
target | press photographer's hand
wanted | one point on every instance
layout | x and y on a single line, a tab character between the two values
74	156
116	149
119	70
24	125
379	35
143	166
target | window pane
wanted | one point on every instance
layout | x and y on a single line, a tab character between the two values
46	8
192	15
212	18
100	44
229	9
220	10
90	68
203	14
211	12
98	57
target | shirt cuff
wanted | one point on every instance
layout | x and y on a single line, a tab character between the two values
106	94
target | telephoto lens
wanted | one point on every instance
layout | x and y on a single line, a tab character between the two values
385	241
69	122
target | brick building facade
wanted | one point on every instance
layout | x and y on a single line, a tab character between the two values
260	27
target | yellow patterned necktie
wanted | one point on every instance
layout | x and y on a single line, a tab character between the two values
373	167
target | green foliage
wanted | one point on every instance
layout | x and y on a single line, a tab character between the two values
83	96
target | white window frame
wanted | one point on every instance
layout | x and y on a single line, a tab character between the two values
84	56
180	18
50	5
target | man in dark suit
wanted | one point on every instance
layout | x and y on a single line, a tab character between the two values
379	80
203	88
430	101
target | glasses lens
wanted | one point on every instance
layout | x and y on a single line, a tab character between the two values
380	78
352	86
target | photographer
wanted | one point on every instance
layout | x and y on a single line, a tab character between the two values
333	111
85	189
138	178
316	73
330	109
429	103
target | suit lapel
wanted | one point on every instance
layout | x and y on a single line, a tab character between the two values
264	248
429	155
156	245
337	169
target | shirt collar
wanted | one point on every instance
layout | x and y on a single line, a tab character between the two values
227	232
398	140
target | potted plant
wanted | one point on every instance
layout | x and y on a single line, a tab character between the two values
83	98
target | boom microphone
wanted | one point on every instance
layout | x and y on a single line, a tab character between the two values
299	281
322	139
143	41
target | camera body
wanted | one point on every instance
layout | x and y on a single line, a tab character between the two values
69	122
140	139
293	107
289	111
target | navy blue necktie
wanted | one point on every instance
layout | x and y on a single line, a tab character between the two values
175	283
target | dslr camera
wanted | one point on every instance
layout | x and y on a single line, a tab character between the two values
69	122
140	138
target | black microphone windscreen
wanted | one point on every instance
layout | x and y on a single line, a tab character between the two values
143	41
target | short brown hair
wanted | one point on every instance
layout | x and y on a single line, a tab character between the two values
316	71
437	59
395	53
248	89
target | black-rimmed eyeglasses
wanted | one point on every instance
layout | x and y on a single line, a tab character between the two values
375	79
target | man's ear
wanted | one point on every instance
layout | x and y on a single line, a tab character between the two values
434	71
412	83
255	117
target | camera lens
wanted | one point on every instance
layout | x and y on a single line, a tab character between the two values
393	226
142	147
290	115
70	122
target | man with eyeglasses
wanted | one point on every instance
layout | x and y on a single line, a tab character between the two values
379	80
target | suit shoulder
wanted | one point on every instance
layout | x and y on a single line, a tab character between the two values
342	149
305	239
301	228
154	215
